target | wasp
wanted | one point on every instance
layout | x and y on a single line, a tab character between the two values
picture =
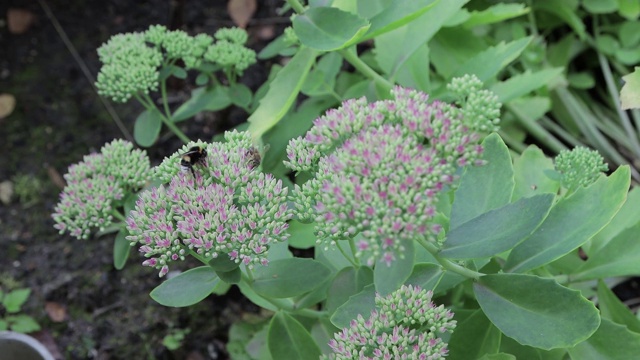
195	155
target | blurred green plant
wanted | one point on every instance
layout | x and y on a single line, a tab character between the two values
11	302
173	340
27	188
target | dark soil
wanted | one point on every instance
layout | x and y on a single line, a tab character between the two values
107	314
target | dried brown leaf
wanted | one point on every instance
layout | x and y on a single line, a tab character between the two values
241	11
56	311
7	104
19	20
55	177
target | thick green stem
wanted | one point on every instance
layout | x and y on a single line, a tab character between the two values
147	102
116	214
165	103
296	6
352	57
448	264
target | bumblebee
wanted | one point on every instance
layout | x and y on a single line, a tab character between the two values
253	156
195	155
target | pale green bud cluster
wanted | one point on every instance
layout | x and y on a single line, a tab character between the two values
129	67
132	61
579	167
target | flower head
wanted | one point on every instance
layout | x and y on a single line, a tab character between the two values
229	208
129	67
378	168
404	325
579	167
234	34
95	184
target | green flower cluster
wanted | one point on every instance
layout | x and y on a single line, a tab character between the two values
132	61
229	51
379	167
129	67
94	184
229	208
404	325
579	167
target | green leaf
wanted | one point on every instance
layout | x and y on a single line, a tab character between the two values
630	93
581	80
302	236
348	282
497	356
322	79
425	275
566	11
23	324
452	47
397	14
571	222
276	47
121	249
283	91
529	174
186	289
313	297
332	257
555	317
359	304
522	84
322	332
240	95
202	79
484	188
288	339
247	291
628	216
474	337
210	99
178	72
13	300
230	277
389	277
620	257
497	230
510	346
611	308
394	49
147	127
610	342
630	9
488	63
494	14
289	277
223	263
600	6
329	28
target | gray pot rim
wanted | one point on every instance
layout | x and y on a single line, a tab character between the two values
8	336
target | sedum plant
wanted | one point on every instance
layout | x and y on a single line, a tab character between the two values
404	200
134	65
